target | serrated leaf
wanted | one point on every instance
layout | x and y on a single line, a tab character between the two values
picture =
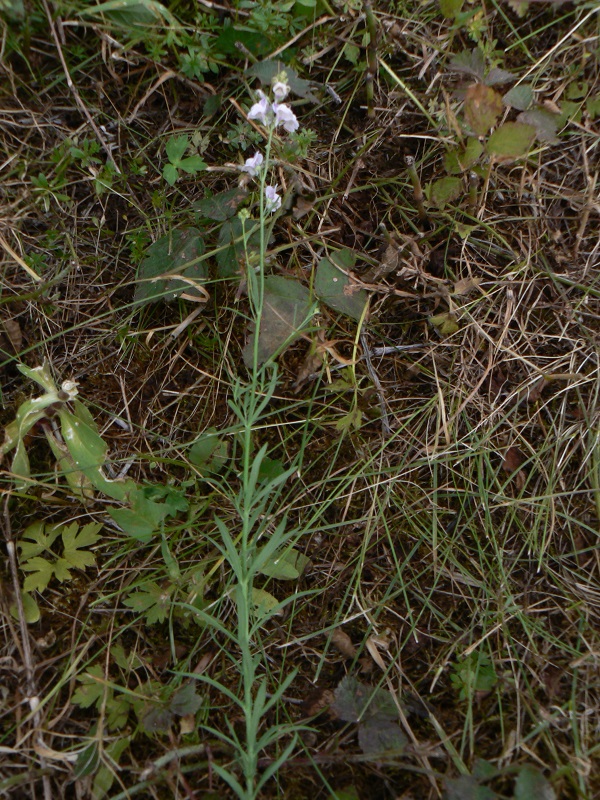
37	538
519	97
336	289
483	106
531	785
185	701
462	159
285	566
444	191
286	312
380	737
74	543
544	122
41	574
266	70
497	76
176	147
511	140
221	206
90	691
176	253
470	62
62	570
152	601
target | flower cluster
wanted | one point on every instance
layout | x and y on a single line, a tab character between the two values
277	113
271	115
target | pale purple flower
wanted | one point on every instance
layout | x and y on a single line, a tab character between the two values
272	198
286	117
262	110
280	90
253	165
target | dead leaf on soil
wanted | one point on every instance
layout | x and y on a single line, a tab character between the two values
343	642
513	460
13	332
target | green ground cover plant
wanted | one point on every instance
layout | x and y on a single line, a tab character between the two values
299	371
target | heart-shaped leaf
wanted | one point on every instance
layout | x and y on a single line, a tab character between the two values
175	254
286	312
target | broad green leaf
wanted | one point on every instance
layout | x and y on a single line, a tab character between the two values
176	147
157	719
450	8
41	574
31	610
152	601
259	44
74	543
192	164
483	106
519	97
209	453
444	191
350	421
91	689
170	174
62	570
176	254
466	787
221	206
336	289
357	702
347	793
132	13
531	785
263	602
497	76
470	62
144	517
380	737
37	538
231	256
446	323
270	468
87	762
185	701
544	122
265	71
88	451
286	565
78	482
287	310
462	159
351	52
511	140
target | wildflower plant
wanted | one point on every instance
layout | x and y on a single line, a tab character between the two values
261	546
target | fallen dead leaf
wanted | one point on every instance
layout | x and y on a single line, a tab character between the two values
343	643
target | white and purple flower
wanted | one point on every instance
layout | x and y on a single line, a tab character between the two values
252	165
262	110
273	200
